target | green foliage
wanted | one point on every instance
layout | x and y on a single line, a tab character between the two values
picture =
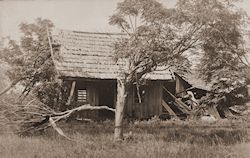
31	61
49	93
227	92
222	62
156	36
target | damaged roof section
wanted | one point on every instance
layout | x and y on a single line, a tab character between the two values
91	55
193	81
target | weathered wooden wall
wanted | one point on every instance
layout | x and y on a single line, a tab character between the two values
149	108
180	89
92	97
92	91
152	104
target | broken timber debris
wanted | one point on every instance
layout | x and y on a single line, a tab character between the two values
182	106
170	111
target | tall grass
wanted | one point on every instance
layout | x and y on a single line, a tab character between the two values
148	139
103	146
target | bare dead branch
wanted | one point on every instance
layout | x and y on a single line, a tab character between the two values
13	84
35	116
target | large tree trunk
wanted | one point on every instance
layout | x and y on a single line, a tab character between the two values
122	93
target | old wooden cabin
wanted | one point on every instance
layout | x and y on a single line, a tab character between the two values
85	61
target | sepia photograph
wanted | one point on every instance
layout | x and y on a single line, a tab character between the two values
124	78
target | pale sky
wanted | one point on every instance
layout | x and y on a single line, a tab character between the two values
80	15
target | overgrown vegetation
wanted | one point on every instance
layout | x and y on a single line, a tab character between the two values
224	64
31	63
151	138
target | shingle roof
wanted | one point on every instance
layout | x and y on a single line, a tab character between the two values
90	55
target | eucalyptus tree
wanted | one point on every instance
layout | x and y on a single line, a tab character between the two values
159	36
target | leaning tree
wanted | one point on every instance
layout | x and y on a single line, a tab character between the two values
159	36
31	62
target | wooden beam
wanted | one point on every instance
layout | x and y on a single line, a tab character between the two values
71	92
181	105
170	111
86	79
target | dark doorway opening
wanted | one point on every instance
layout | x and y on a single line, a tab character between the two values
107	98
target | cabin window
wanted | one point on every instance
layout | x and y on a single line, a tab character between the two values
82	95
142	92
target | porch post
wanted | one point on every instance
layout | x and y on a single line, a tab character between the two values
73	85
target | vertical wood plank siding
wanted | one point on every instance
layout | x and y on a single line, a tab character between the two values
180	89
149	108
152	104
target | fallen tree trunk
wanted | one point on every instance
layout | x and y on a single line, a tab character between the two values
36	116
63	115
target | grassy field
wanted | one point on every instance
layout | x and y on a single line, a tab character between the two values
148	139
